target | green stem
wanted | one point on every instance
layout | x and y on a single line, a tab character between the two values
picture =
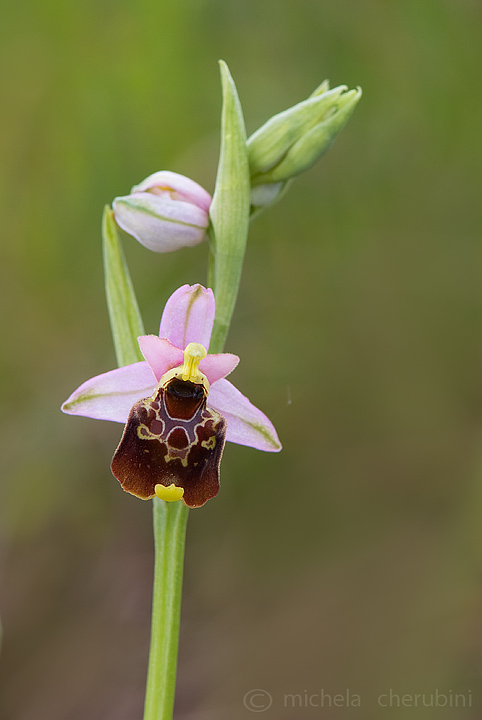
228	232
169	538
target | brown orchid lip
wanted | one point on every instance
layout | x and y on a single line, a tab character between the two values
172	445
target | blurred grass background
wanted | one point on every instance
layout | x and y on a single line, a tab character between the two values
352	559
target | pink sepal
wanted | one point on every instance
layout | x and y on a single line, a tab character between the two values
111	395
246	424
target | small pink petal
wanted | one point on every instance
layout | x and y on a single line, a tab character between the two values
111	395
246	424
160	354
218	366
188	316
184	186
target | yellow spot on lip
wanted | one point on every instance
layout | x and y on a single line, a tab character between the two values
170	493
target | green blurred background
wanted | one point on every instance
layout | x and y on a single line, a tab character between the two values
350	561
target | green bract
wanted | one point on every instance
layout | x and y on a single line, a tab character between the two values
125	318
229	212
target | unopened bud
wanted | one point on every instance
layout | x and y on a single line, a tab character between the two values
166	211
295	139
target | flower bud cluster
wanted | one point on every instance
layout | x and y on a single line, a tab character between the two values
167	211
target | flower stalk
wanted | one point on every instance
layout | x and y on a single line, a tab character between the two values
228	233
169	539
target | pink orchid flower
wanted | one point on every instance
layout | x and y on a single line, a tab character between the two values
177	405
166	211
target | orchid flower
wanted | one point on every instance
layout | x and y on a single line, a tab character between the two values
166	211
177	405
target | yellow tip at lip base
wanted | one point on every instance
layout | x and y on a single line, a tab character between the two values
170	493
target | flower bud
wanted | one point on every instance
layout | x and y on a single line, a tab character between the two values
166	211
295	139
